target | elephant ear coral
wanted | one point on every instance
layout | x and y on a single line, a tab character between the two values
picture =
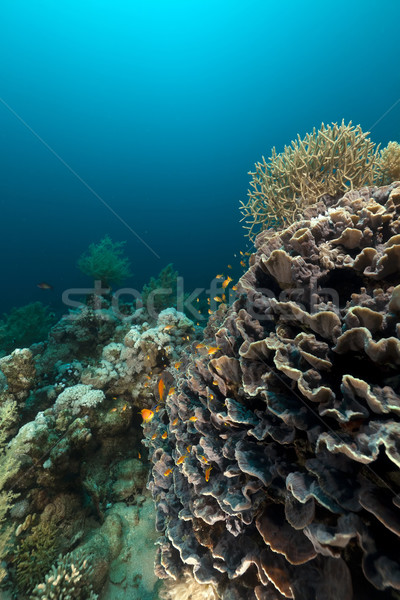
278	475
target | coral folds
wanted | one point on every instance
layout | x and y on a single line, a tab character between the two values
276	454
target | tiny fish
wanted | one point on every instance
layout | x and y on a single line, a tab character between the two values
215	382
193	419
218	276
242	263
124	407
223	297
164	435
161	389
44	286
158	407
167	472
171	391
234	287
217	299
207	474
181	459
175	422
153	437
200	346
203	458
168	327
211	396
177	364
115	398
139	455
210	312
147	414
188	448
213	349
113	410
229	266
226	282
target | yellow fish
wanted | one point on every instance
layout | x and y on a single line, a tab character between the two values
207	474
203	458
175	422
200	346
217	299
124	407
113	410
139	455
188	449
226	282
210	312
193	419
181	459
218	276
171	391
164	435
167	472
177	365
158	407
211	397
147	415
153	437
161	389
213	349
234	287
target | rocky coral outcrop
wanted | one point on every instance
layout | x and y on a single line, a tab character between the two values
276	456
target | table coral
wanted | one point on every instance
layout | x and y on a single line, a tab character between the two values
278	474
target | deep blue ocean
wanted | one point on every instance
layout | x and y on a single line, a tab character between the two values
142	118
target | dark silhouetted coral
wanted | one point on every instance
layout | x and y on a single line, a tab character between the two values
276	457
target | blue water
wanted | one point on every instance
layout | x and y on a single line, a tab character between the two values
162	107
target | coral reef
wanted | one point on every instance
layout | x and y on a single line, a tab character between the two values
105	262
328	161
188	589
276	456
389	162
67	580
161	292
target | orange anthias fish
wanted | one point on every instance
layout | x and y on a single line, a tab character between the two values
167	472
217	299
207	474
213	349
168	327
147	415
44	286
242	263
175	422
171	391
226	282
164	435
193	419
161	389
177	365
181	459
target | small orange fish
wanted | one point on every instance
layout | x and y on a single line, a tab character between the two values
44	286
193	419
210	312
218	276
171	391
188	448
139	455
167	472
158	407
215	382
217	299
229	266
234	287
181	459
113	410
203	458
223	297
200	346
147	415
115	398
208	300
164	435
161	389
168	327
242	263
175	422
177	364
124	407
247	253
153	437
213	350
226	282
211	396
146	383
207	473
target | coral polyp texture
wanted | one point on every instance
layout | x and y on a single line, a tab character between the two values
276	455
332	160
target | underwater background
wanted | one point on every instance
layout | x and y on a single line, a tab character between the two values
158	110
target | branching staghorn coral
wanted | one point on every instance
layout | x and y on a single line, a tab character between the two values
333	159
390	162
67	580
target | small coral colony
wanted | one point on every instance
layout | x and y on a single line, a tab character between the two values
260	424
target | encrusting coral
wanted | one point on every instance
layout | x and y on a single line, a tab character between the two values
277	474
330	161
